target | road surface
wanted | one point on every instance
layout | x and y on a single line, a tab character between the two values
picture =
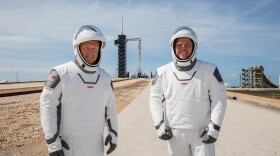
248	130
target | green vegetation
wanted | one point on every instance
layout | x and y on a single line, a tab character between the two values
274	94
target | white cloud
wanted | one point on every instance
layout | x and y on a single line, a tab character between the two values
222	28
253	9
276	58
18	40
18	69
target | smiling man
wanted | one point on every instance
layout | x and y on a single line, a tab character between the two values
78	99
90	51
187	99
183	48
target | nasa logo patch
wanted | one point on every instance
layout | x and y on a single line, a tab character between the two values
184	83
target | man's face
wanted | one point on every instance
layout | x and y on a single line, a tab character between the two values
89	50
183	48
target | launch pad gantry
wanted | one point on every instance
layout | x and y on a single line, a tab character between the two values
121	43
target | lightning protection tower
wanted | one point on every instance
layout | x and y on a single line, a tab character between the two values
139	73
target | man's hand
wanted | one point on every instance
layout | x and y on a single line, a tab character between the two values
208	139
164	133
55	148
57	153
211	132
112	145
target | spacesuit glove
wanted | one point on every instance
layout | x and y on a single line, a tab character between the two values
57	153
113	144
164	133
210	133
55	148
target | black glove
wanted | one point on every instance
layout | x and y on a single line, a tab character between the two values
112	145
57	153
167	135
208	139
163	132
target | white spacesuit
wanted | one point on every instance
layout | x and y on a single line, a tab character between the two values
195	101
77	102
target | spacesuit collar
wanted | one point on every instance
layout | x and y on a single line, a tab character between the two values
185	68
85	71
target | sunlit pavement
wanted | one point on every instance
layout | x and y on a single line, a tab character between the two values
248	130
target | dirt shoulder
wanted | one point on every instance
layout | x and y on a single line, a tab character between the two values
20	128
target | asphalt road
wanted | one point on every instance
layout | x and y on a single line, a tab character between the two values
137	136
248	130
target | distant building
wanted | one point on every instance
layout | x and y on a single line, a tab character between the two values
227	85
4	81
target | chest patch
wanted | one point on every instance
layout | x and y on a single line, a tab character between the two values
90	87
184	83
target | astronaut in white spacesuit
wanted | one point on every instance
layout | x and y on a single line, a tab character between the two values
78	101
188	99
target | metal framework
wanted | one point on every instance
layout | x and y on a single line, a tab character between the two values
121	43
254	77
139	72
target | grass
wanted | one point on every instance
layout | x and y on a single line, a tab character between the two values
274	94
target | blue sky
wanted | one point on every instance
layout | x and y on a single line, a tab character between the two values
37	35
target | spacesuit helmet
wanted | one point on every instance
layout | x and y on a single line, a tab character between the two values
83	34
184	31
